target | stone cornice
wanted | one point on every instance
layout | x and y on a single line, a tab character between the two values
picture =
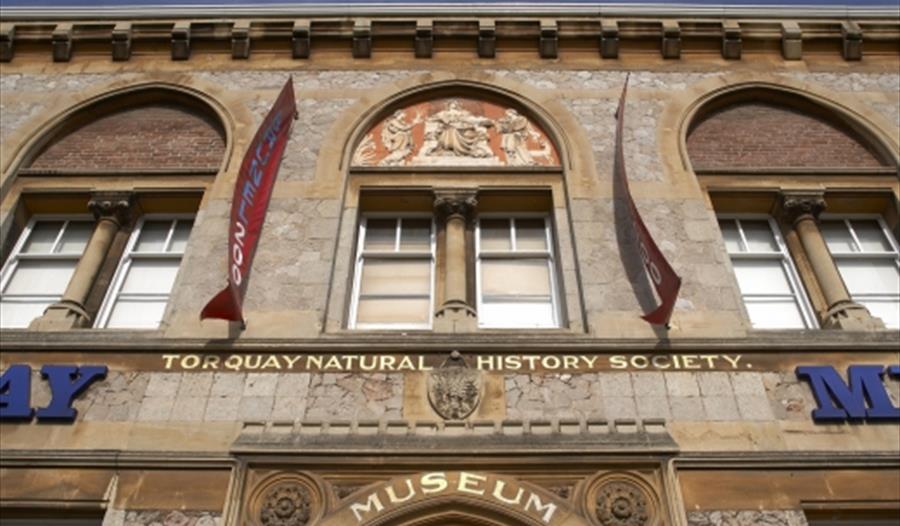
487	32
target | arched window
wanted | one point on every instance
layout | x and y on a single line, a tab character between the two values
808	247
106	200
456	227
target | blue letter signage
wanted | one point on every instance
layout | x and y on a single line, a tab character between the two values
66	382
862	397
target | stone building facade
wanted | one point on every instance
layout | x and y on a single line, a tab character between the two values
443	317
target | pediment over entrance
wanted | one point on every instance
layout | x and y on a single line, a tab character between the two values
456	132
453	497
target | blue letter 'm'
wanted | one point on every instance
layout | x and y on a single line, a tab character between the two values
865	388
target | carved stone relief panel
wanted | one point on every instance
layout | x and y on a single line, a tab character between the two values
622	499
455	132
285	499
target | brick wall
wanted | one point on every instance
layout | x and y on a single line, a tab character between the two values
149	137
762	135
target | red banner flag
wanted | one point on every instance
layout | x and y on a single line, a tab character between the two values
250	202
666	282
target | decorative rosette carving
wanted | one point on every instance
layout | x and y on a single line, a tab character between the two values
622	503
286	504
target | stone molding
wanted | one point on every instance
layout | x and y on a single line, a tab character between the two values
670	33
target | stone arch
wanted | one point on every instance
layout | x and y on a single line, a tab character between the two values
839	136
69	116
464	498
459	87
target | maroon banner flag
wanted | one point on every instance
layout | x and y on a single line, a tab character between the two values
250	202
666	282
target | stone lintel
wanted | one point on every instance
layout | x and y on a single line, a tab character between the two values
549	42
671	39
362	38
609	38
300	39
424	43
487	38
121	41
791	41
7	36
181	41
61	40
852	40
732	45
240	39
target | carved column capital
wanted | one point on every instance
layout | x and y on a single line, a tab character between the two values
116	206
802	204
455	202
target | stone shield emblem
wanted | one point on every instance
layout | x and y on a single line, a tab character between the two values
454	390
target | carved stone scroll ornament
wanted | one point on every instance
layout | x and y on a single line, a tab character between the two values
449	203
801	205
622	503
454	389
286	504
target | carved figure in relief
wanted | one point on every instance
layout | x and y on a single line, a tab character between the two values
396	135
516	130
455	131
365	152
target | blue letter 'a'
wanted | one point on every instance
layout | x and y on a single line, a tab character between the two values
865	389
67	382
15	393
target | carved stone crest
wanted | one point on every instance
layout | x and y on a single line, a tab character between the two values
622	503
454	389
286	504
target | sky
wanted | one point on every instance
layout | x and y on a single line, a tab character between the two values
126	3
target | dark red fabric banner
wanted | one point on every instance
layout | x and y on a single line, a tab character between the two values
250	202
666	282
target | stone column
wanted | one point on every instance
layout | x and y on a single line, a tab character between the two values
111	209
455	209
802	210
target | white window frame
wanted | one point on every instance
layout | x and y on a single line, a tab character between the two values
114	290
858	253
548	254
16	254
396	254
787	263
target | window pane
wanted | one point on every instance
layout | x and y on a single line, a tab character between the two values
761	277
42	237
392	278
19	314
518	277
151	276
415	234
76	237
40	277
870	276
837	237
393	311
887	310
530	234
774	314
731	235
516	315
153	236
381	234
495	234
136	314
871	236
759	236
180	235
